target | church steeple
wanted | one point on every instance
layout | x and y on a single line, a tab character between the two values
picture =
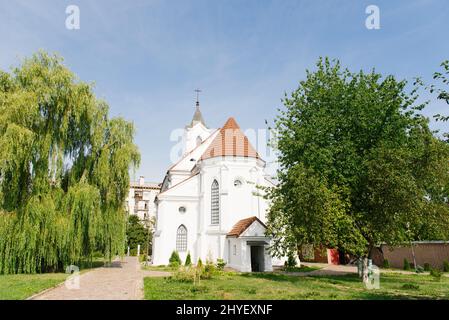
197	116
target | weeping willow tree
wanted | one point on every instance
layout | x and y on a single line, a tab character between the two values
64	169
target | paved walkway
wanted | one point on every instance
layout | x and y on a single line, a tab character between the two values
123	280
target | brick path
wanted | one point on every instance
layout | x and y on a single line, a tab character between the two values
123	280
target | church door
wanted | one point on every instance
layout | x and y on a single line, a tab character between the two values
257	258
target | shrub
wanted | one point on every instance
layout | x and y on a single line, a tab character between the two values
427	266
446	266
290	264
407	264
209	271
221	264
419	269
188	262
436	274
184	275
386	264
291	261
175	260
193	274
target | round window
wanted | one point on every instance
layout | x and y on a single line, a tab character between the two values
182	209
238	183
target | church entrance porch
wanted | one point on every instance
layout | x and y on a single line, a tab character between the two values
248	246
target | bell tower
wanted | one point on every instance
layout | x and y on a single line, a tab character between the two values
196	132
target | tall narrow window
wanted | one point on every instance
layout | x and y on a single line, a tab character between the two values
181	239
215	203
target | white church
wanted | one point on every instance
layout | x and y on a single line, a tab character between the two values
209	203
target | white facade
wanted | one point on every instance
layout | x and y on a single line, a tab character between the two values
203	198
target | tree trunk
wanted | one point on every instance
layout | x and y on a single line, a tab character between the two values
365	270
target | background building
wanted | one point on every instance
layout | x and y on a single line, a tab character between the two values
140	200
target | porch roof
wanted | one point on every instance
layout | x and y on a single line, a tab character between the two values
242	225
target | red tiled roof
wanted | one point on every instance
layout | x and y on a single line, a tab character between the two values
242	225
230	141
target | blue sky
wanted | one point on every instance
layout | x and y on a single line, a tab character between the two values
147	57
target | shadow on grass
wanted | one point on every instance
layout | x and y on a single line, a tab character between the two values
271	276
375	295
343	277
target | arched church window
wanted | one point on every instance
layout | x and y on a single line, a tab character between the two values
198	141
215	203
181	239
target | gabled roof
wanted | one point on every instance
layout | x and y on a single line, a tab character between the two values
230	141
242	225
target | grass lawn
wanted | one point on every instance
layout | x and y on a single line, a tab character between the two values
158	268
280	286
301	269
22	286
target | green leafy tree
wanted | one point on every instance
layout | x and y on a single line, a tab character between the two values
442	92
64	169
137	233
358	165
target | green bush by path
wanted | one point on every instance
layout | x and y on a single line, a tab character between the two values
175	260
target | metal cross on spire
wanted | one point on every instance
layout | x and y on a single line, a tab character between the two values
197	96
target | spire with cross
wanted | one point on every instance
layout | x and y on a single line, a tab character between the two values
197	117
198	91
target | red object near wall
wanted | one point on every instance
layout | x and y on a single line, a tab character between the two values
333	257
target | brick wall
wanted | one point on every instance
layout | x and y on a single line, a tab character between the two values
432	253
